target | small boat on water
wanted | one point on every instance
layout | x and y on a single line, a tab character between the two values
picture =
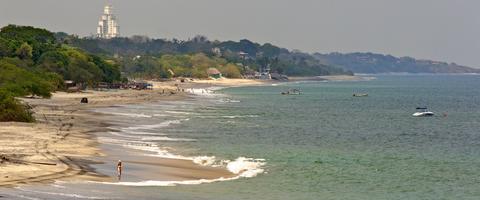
292	92
423	112
360	95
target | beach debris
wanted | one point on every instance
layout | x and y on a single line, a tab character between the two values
4	158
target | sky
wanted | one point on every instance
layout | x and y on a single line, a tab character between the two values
443	30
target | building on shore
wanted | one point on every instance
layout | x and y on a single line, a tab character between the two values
214	73
108	25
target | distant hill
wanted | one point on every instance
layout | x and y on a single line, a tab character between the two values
370	63
251	56
244	52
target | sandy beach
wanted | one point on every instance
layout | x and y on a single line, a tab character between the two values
62	144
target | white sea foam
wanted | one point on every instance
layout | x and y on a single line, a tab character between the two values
243	167
155	149
201	91
154	126
178	112
246	167
204	160
57	186
228	100
109	140
160	138
239	116
134	132
152	137
76	196
215	88
151	183
26	197
136	115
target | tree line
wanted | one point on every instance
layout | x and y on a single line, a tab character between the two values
181	65
247	55
34	63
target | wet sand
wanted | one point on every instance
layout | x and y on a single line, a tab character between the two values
62	144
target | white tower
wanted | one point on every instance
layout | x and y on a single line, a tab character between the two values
108	26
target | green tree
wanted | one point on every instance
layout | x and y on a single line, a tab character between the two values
230	71
24	51
109	70
53	61
20	82
5	47
12	110
40	40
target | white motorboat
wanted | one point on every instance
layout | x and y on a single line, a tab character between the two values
423	112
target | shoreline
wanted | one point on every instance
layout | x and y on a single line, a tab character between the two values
63	144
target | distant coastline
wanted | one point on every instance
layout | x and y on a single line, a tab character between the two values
374	63
332	78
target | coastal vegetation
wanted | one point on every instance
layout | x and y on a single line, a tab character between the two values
181	65
253	56
248	56
34	63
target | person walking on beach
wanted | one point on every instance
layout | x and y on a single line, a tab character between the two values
119	169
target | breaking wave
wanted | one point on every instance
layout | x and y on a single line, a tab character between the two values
178	112
239	116
152	137
155	126
242	167
135	115
141	137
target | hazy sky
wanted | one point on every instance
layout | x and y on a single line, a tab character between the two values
445	30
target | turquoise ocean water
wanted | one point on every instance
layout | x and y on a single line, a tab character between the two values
323	144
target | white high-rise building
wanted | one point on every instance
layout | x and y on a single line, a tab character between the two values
108	25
